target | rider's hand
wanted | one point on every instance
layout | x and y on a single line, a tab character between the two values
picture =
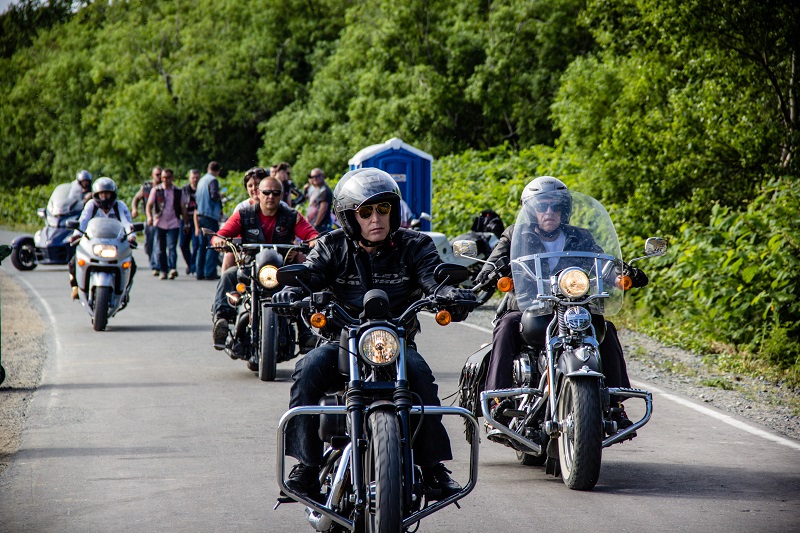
638	277
287	296
458	312
483	276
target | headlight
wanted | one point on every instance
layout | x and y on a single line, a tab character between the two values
268	276
108	251
573	282
379	346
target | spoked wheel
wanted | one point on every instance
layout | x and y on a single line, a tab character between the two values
23	257
268	351
102	297
580	445
383	473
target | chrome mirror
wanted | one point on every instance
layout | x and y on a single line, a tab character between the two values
465	248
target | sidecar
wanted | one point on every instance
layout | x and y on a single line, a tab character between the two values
50	245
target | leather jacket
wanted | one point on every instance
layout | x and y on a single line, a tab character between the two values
403	268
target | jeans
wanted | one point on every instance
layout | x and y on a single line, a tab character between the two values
189	244
150	248
207	258
318	372
167	244
227	283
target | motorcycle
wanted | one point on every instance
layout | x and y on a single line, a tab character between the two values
559	412
50	245
368	472
103	261
260	336
485	242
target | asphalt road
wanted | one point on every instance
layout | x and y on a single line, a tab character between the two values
145	427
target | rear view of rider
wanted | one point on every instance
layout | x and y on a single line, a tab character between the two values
104	204
550	233
370	251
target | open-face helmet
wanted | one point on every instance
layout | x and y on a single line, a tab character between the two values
365	186
548	189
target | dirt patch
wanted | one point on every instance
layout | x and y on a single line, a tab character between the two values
23	349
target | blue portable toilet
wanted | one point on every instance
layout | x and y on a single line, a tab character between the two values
409	166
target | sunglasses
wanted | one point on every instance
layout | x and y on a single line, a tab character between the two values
542	208
383	208
271	192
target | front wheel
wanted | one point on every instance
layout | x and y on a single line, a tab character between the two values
268	351
384	474
580	445
102	297
23	257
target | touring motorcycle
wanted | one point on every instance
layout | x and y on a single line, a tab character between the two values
103	261
559	412
50	245
368	473
260	336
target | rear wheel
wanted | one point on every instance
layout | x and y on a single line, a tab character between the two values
384	475
268	351
102	296
23	257
580	445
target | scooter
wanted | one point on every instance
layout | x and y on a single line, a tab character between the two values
103	262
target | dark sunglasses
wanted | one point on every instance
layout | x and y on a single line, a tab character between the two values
383	208
543	207
271	192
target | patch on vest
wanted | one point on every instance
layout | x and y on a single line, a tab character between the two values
253	231
281	230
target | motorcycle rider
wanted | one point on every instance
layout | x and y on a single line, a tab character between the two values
369	251
104	204
550	232
269	221
82	186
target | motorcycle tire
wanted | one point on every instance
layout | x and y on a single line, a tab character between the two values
23	257
268	351
384	475
580	445
102	298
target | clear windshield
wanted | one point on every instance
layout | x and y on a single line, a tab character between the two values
105	228
585	238
62	204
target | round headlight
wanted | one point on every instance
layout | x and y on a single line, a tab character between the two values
107	251
379	346
268	276
573	282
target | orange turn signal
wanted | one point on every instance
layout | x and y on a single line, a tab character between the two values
624	282
241	287
505	284
81	262
318	320
443	317
126	264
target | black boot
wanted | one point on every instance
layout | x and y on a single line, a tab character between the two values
438	483
304	480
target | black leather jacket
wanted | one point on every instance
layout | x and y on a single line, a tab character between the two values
403	268
577	239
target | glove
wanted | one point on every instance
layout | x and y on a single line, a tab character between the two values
483	276
287	295
638	277
459	312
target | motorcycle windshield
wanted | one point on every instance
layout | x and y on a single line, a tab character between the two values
105	228
61	205
541	248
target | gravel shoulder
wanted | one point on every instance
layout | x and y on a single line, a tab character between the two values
23	333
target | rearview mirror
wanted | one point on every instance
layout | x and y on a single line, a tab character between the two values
453	274
72	224
465	248
293	275
655	246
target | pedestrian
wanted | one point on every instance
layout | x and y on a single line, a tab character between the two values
142	195
165	209
189	242
208	215
320	198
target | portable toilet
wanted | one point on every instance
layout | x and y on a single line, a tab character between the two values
409	166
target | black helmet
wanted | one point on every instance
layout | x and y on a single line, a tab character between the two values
548	188
104	184
365	186
258	172
83	175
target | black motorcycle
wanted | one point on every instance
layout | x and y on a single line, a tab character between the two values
368	473
260	336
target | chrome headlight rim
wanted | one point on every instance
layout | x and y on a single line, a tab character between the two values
268	276
379	346
106	251
573	282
